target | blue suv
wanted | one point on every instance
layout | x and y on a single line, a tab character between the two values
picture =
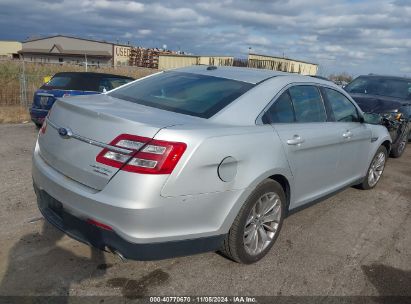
71	84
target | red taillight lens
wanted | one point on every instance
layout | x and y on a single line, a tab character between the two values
43	127
99	224
147	156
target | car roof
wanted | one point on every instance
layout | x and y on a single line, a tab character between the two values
243	74
92	74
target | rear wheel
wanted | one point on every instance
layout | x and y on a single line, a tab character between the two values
375	169
257	225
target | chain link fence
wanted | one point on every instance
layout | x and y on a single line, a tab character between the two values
19	80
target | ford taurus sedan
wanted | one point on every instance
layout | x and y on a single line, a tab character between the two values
201	159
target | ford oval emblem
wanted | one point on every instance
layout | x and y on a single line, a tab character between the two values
63	132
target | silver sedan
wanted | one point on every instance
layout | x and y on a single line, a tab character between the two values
200	159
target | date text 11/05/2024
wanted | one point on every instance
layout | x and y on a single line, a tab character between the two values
202	299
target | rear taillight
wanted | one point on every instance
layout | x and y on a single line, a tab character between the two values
44	125
146	155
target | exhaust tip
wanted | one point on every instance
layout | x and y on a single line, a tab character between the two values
118	253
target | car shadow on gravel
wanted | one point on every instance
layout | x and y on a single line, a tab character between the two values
388	281
37	266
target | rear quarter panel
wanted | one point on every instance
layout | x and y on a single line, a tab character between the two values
257	150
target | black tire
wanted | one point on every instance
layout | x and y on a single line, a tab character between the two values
38	126
365	185
398	149
233	246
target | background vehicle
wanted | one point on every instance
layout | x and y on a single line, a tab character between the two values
199	159
71	84
390	97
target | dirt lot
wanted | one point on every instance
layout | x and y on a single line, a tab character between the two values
355	243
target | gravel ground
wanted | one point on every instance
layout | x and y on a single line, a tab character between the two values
355	243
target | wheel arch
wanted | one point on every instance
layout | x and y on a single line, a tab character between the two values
285	184
387	144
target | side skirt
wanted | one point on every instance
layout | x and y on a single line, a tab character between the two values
318	200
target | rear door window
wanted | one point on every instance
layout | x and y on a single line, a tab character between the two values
342	107
308	104
281	111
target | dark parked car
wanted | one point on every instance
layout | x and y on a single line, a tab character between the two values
71	84
391	97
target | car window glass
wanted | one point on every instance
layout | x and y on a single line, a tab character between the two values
186	93
342	107
380	85
308	105
282	110
58	82
112	83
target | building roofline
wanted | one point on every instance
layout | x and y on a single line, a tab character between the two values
285	58
89	53
179	55
196	56
73	37
10	41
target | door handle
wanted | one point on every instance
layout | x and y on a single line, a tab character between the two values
347	134
296	140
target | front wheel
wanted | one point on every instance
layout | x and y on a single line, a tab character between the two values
257	225
399	148
375	169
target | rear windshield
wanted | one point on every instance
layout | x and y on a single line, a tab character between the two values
84	82
186	93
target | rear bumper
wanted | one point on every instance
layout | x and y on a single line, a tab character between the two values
103	239
144	224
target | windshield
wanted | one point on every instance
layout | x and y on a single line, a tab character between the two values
392	87
186	93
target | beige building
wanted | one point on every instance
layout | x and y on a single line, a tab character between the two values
65	49
282	64
10	49
172	61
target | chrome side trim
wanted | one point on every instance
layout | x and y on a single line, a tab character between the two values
90	141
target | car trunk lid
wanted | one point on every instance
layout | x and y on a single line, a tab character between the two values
79	127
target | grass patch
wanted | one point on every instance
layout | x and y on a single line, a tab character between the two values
14	114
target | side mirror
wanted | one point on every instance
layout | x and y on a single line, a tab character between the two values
372	118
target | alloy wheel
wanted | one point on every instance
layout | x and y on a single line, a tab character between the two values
376	169
262	223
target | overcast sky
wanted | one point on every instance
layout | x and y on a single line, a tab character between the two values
354	36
